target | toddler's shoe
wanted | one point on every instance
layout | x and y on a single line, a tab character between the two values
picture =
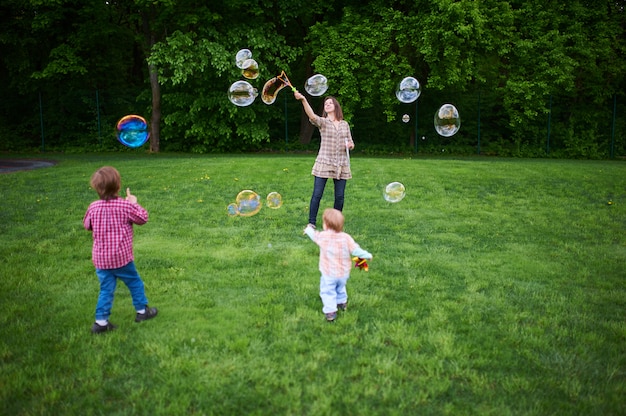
330	317
342	306
99	329
149	314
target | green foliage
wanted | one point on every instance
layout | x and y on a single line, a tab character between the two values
514	54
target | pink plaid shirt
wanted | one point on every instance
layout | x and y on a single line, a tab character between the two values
336	251
111	223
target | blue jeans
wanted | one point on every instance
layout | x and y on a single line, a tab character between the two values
108	282
333	292
318	192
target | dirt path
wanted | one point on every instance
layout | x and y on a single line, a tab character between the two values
15	165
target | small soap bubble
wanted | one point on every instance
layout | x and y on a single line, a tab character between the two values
394	192
132	131
406	118
242	94
250	69
274	200
248	203
447	120
408	90
316	85
232	210
242	56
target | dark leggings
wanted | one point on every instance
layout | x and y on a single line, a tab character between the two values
318	192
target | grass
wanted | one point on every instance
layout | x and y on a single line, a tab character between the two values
497	288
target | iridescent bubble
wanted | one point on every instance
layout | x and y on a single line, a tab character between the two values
232	210
242	56
271	89
250	69
447	120
406	118
408	90
316	85
241	93
132	131
394	192
274	200
248	203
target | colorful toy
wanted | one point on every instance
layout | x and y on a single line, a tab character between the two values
360	263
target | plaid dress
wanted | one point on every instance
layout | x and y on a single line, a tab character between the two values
332	158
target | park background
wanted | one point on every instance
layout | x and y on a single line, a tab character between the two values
498	282
530	78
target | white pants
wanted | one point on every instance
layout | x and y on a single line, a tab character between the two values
333	292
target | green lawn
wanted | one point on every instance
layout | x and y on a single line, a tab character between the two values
498	287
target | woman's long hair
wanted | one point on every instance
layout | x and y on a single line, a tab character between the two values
338	110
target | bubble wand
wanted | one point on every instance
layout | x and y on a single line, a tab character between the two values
273	86
285	80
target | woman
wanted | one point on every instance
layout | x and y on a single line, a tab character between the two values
332	159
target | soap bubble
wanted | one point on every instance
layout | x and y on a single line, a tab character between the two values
250	69
232	210
447	120
406	118
242	56
241	93
408	90
248	203
316	85
271	89
274	200
394	192
132	131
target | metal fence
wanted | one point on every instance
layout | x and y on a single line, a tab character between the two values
88	117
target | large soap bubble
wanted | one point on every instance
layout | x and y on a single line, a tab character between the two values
132	131
242	56
447	120
408	90
271	89
248	203
241	93
394	192
316	85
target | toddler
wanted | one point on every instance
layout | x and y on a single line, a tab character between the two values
111	219
336	251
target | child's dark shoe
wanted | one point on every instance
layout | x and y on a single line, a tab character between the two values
342	306
148	314
99	329
330	317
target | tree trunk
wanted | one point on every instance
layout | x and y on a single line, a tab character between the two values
306	129
155	120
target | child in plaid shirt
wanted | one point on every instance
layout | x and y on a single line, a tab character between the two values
111	219
336	251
